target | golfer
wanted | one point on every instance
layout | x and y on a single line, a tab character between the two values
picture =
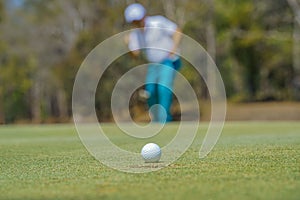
158	38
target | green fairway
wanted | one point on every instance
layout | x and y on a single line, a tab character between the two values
252	160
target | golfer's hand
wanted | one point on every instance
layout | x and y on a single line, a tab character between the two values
135	53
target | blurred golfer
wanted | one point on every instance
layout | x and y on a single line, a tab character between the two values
159	38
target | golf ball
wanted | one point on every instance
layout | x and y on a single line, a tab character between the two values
151	152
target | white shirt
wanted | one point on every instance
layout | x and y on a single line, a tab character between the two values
158	33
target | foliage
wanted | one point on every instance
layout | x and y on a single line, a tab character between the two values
43	44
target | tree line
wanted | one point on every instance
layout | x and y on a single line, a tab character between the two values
43	44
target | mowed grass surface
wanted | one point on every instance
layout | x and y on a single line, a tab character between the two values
252	160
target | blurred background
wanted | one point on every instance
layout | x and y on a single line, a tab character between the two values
255	44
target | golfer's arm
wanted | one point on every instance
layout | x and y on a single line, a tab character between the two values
176	39
134	53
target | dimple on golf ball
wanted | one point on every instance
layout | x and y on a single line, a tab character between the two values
151	152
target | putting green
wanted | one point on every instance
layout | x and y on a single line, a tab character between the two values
252	160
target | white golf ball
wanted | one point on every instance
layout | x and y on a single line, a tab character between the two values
151	152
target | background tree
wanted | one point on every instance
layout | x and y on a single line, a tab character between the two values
295	6
1	64
254	49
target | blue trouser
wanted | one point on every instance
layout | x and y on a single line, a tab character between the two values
159	84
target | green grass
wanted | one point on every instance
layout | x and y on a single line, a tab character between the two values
252	160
